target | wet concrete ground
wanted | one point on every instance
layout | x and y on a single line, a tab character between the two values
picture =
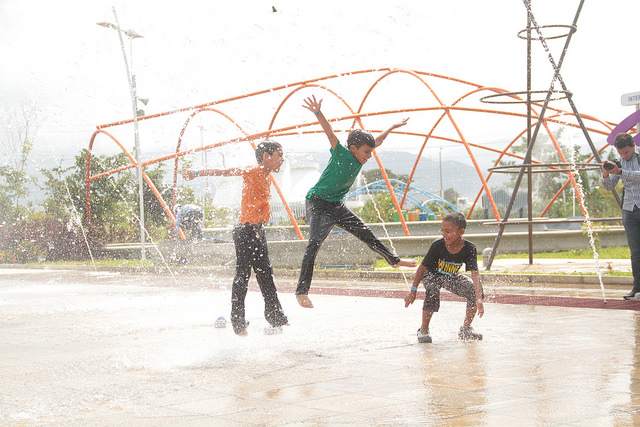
103	348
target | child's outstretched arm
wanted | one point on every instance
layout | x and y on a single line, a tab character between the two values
380	138
314	106
190	174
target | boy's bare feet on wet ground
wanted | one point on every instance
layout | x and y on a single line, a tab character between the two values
304	301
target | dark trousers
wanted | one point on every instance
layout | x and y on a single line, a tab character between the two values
631	222
251	252
322	216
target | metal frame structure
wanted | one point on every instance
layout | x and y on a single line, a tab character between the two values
439	121
527	165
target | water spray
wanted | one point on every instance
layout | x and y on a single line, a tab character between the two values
384	227
587	220
76	220
137	218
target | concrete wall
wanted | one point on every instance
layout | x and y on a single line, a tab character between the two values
344	249
393	229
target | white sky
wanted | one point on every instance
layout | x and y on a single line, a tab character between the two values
54	55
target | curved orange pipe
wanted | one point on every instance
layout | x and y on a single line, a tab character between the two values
178	145
285	131
394	199
134	162
294	221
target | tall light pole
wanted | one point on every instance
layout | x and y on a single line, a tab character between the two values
134	102
441	192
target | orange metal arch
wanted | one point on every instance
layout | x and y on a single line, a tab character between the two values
179	144
446	111
394	199
134	164
375	154
306	86
271	177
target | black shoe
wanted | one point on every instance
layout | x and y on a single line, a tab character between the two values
632	296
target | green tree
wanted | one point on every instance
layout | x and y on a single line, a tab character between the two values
451	196
114	198
379	208
218	217
546	185
12	188
374	175
19	127
602	204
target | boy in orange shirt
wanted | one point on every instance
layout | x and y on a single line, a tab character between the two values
249	236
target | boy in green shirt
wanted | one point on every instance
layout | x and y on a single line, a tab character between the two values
325	205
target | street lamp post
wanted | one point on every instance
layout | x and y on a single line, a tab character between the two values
134	102
441	192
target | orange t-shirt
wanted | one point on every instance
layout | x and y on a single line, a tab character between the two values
256	190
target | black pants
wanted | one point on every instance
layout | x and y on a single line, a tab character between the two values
251	252
631	222
322	215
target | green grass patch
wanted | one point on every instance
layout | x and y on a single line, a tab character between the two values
617	252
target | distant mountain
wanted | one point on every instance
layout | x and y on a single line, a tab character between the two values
302	170
459	175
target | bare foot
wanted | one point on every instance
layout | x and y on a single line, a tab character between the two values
304	301
242	333
407	263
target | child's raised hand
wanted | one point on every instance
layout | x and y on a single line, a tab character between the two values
312	104
400	123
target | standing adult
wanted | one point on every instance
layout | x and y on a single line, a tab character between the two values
627	169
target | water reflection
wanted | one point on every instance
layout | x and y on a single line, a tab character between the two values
454	375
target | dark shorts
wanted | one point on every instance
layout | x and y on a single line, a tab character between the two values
456	284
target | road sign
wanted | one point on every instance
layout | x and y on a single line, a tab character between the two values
630	98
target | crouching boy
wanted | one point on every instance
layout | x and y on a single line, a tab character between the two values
440	269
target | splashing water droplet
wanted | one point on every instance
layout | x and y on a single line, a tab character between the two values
587	219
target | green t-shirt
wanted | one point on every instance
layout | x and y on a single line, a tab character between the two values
337	177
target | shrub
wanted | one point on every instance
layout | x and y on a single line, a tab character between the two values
44	238
23	253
